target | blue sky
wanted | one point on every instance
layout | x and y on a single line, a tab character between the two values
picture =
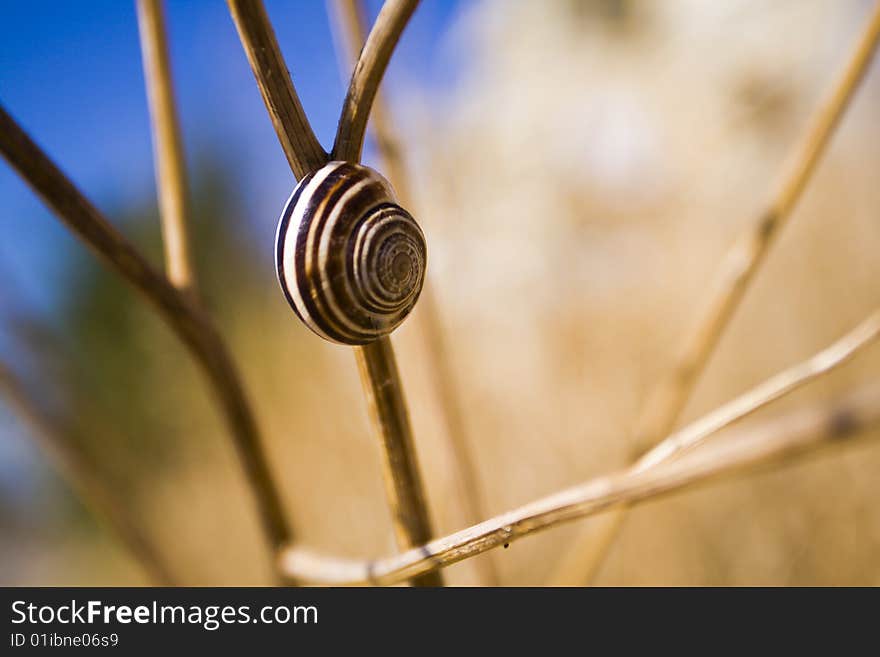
71	74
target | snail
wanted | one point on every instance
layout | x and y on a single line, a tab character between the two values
350	261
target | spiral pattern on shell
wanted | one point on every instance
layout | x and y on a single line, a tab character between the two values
350	261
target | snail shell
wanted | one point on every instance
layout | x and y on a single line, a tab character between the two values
350	261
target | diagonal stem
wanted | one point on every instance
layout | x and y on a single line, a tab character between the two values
301	146
171	183
772	389
739	267
181	312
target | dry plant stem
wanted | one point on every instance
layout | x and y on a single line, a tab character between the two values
301	146
785	441
368	72
376	362
738	269
171	183
181	312
82	475
349	28
403	483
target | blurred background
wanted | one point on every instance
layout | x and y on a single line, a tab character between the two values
579	166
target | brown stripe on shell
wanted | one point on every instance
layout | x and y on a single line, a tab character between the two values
358	258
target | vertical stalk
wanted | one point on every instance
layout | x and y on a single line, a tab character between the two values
403	483
171	183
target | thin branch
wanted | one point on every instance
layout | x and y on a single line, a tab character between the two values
171	183
349	29
301	146
181	312
739	267
403	482
83	476
779	443
371	65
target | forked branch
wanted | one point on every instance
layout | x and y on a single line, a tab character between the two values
368	72
738	269
658	474
301	146
182	313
